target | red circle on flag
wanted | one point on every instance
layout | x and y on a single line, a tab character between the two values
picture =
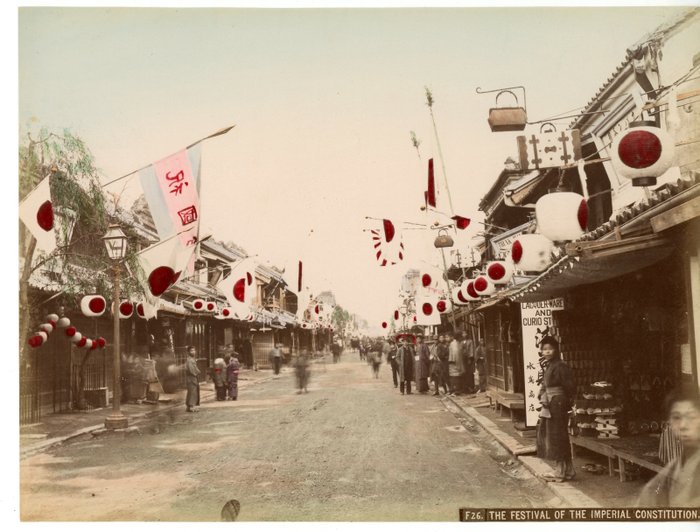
517	251
426	279
639	149
427	309
384	325
239	290
162	278
97	305
44	216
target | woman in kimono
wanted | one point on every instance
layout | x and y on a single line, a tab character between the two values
233	366
557	396
678	483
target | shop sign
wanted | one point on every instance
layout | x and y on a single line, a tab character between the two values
549	149
536	323
502	243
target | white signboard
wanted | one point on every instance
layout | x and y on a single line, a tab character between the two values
536	322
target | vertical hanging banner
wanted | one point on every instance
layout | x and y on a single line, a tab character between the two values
171	187
430	193
536	322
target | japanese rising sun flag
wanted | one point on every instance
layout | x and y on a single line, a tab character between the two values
239	287
163	264
387	244
36	212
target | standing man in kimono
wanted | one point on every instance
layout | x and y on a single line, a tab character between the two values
233	367
192	379
468	350
422	364
456	360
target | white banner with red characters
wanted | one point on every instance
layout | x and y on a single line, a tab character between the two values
171	187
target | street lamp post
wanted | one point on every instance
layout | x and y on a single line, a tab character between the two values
115	242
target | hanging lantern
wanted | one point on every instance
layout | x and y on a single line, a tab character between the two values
500	272
484	287
642	153
468	291
70	331
126	309
88	343
198	305
52	317
76	338
93	305
35	341
82	342
101	342
63	322
226	312
532	252
46	327
210	306
443	305
457	297
562	216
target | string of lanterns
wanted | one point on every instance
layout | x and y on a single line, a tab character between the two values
53	322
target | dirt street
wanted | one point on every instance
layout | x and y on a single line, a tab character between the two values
352	449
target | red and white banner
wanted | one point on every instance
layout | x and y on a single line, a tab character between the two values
163	264
387	244
171	187
36	212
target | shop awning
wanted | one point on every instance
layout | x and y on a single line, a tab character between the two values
593	262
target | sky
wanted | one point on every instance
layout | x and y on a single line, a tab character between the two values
323	101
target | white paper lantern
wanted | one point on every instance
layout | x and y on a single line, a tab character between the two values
198	305
500	272
76	337
88	344
458	298
43	335
63	322
443	306
562	216
93	305
126	309
46	327
642	153
210	306
483	286
468	290
52	317
532	252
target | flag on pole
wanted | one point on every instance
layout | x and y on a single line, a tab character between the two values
163	264
387	244
461	222
430	194
239	287
171	187
36	212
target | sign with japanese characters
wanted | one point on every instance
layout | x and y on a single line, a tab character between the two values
549	149
536	322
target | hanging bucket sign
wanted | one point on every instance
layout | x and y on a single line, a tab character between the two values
507	118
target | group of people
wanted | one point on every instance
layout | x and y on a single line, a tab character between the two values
224	375
450	364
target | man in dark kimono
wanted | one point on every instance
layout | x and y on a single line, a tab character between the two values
405	358
391	354
469	366
192	380
422	365
233	367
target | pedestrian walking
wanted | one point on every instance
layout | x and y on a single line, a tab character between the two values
677	485
376	358
406	362
556	395
302	372
275	357
336	350
456	363
192	380
469	364
218	376
391	354
422	366
443	353
233	368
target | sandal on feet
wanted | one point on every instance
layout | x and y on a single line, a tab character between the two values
551	477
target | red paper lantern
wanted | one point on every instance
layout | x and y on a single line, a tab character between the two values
642	153
532	252
93	305
101	342
82	342
562	216
70	331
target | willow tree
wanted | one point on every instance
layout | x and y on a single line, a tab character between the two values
78	265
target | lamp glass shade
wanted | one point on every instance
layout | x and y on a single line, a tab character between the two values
115	242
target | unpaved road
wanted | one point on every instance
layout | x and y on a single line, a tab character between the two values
352	449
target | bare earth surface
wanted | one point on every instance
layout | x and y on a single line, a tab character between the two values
352	449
